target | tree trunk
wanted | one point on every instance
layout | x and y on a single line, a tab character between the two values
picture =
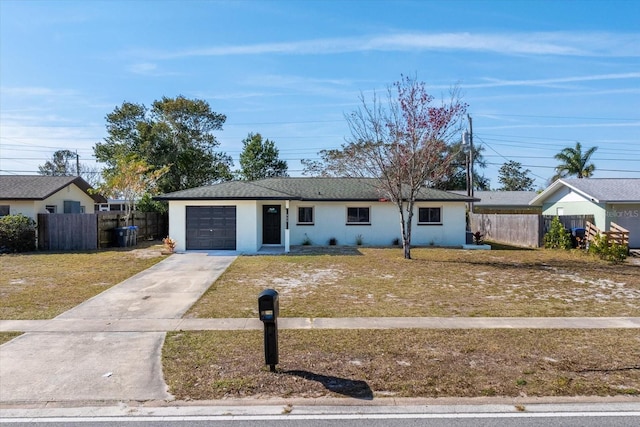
406	232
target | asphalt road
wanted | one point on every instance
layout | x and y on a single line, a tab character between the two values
377	420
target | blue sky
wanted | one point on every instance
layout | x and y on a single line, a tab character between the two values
537	75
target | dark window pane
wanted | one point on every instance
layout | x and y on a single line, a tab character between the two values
358	215
305	214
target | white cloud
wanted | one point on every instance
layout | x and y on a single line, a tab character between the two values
537	43
552	81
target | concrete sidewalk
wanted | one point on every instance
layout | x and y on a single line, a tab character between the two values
164	325
76	363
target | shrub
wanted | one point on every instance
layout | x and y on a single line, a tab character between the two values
359	240
17	233
333	241
557	237
608	251
306	241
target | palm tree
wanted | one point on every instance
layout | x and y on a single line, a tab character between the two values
574	162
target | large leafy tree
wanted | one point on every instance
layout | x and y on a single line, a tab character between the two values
259	159
402	143
66	163
513	178
175	131
574	162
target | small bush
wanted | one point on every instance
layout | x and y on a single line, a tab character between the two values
557	237
306	241
17	233
359	240
608	251
396	241
333	241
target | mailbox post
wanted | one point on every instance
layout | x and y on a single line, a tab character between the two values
268	308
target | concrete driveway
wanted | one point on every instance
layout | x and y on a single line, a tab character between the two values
76	365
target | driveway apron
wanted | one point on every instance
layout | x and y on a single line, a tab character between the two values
77	365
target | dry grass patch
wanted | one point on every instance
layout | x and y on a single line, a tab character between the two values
43	285
437	282
407	363
8	336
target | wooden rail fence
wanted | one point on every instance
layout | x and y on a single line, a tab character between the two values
616	233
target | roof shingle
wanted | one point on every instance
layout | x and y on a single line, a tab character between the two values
318	189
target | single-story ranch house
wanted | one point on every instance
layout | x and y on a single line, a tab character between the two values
607	199
30	195
248	215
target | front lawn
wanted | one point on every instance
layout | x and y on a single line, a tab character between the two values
42	285
437	282
404	363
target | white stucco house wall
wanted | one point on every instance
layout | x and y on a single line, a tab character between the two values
607	199
246	216
31	195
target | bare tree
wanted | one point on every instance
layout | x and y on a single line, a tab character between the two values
402	143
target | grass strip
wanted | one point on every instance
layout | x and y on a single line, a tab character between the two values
405	363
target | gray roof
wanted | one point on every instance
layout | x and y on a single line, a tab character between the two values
39	187
608	189
502	198
601	190
318	189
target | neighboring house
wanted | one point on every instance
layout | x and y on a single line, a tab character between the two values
504	202
112	205
607	199
31	195
247	215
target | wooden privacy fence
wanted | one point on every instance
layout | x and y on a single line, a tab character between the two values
151	225
67	232
516	229
78	232
521	229
616	234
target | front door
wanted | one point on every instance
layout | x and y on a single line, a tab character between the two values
271	224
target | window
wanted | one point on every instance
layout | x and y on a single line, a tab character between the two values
305	215
51	208
358	216
429	215
4	210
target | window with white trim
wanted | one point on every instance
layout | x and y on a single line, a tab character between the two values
359	216
51	208
430	215
305	215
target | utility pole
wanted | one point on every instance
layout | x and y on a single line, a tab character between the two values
77	163
470	156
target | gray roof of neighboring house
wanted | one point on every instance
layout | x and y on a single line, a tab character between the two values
318	189
39	187
601	190
502	198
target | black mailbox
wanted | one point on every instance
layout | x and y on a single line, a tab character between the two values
268	310
268	305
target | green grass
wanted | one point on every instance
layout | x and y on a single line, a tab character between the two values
436	282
